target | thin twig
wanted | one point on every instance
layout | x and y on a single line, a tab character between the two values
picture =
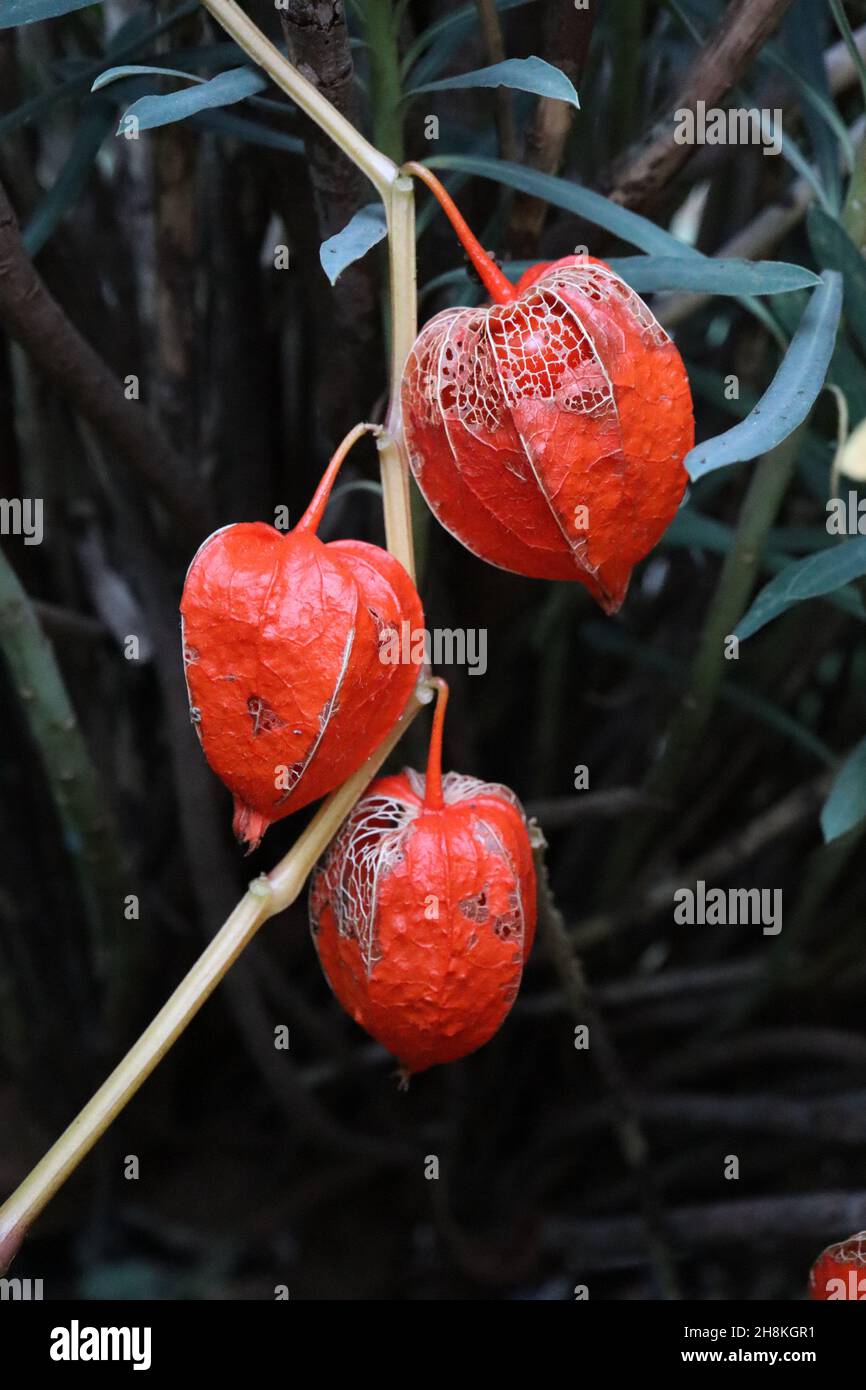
317	38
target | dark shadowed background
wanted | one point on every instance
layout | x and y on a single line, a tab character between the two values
160	377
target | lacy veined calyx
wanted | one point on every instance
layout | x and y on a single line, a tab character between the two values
423	910
547	432
283	643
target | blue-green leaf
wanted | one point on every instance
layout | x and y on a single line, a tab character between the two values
522	74
366	228
223	90
650	274
812	577
834	250
28	11
792	392
657	274
619	221
140	70
129	39
845	806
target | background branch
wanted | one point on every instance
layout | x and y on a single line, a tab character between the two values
641	175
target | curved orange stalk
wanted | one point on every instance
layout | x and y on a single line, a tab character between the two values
433	783
313	515
497	285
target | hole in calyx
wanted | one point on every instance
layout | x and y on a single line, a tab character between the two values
475	908
265	719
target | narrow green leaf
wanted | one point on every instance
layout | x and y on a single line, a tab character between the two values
129	39
89	136
223	90
834	250
619	221
16	12
792	392
651	274
845	806
521	74
657	274
805	36
140	70
812	577
368	226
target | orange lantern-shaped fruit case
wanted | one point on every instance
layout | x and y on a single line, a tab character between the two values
283	640
547	432
423	910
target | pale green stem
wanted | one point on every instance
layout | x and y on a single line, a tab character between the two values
266	897
282	886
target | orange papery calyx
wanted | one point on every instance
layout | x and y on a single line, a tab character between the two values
423	910
282	644
547	431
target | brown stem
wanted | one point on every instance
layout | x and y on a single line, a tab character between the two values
318	44
647	169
